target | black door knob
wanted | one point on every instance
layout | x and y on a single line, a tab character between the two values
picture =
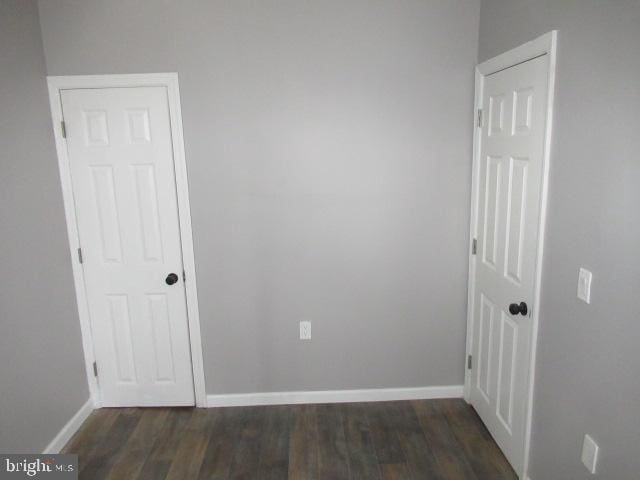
515	308
171	279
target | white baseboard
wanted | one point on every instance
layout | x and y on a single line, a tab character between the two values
70	428
334	396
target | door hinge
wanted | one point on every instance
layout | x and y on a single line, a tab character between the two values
469	362
95	369
184	276
479	117
474	246
80	259
63	127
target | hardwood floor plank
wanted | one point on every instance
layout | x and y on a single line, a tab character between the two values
434	439
441	440
105	453
274	450
132	456
165	445
190	453
395	471
333	461
385	438
482	453
222	440
247	452
363	461
92	433
418	454
303	443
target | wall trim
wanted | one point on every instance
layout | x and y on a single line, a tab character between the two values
334	396
70	428
169	80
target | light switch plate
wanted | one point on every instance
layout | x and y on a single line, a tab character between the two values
584	285
590	451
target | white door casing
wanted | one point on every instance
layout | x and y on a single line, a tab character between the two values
120	154
511	160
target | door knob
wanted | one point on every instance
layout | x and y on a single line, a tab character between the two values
515	308
171	279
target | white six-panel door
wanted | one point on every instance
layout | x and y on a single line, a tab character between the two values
121	163
510	187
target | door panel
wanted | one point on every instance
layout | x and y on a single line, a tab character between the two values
510	185
147	203
491	211
121	336
516	207
485	346
121	159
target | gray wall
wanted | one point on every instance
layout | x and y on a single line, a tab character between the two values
329	168
42	379
588	377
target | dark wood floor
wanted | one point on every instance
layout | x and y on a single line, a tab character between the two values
433	439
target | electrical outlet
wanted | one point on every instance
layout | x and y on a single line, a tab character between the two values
305	330
590	451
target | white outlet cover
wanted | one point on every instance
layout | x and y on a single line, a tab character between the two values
590	451
584	285
305	330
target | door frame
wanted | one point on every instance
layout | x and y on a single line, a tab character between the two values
543	45
56	85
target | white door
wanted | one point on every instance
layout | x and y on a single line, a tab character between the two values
121	159
510	186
